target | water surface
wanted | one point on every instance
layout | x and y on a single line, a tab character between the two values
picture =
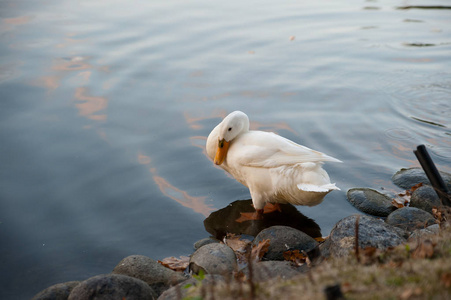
106	105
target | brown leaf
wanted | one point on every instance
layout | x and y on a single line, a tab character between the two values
397	204
295	256
259	250
236	243
424	250
176	264
446	279
411	292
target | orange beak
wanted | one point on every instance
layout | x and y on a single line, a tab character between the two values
221	152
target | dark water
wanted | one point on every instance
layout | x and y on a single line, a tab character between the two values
105	108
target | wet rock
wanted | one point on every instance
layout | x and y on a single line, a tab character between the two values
180	291
282	239
213	259
425	232
224	221
158	277
112	286
58	291
410	218
407	178
370	201
373	232
425	198
204	242
267	270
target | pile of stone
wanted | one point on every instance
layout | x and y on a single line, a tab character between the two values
383	226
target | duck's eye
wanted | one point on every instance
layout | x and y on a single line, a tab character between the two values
230	129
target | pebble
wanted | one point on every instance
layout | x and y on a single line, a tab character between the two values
282	239
425	198
370	201
410	218
407	178
373	232
58	291
428	231
204	242
158	277
112	286
213	259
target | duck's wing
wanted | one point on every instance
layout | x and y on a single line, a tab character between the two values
269	150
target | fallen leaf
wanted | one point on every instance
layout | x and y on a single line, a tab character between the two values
446	279
424	250
259	250
295	256
236	243
176	264
411	292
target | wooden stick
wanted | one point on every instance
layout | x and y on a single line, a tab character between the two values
433	175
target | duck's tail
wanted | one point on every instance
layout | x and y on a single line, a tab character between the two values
318	189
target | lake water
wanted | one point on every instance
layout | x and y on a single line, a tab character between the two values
105	108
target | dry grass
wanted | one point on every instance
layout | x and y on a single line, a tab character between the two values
417	270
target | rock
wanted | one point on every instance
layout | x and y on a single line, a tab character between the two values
370	201
407	178
213	259
425	232
204	242
425	198
158	277
112	286
180	291
267	270
373	232
58	291
410	218
224	221
282	239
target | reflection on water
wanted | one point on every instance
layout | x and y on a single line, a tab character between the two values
224	221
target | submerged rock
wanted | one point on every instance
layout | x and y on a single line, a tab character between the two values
410	218
425	198
370	201
60	291
407	178
213	259
373	232
224	221
158	277
112	286
282	239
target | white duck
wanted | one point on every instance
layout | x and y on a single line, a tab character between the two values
275	169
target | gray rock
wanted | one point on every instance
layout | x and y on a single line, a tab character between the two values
180	291
213	259
425	198
112	286
407	178
204	242
425	232
370	201
58	291
266	270
373	232
158	277
410	218
282	239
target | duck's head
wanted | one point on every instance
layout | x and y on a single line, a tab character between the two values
233	125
